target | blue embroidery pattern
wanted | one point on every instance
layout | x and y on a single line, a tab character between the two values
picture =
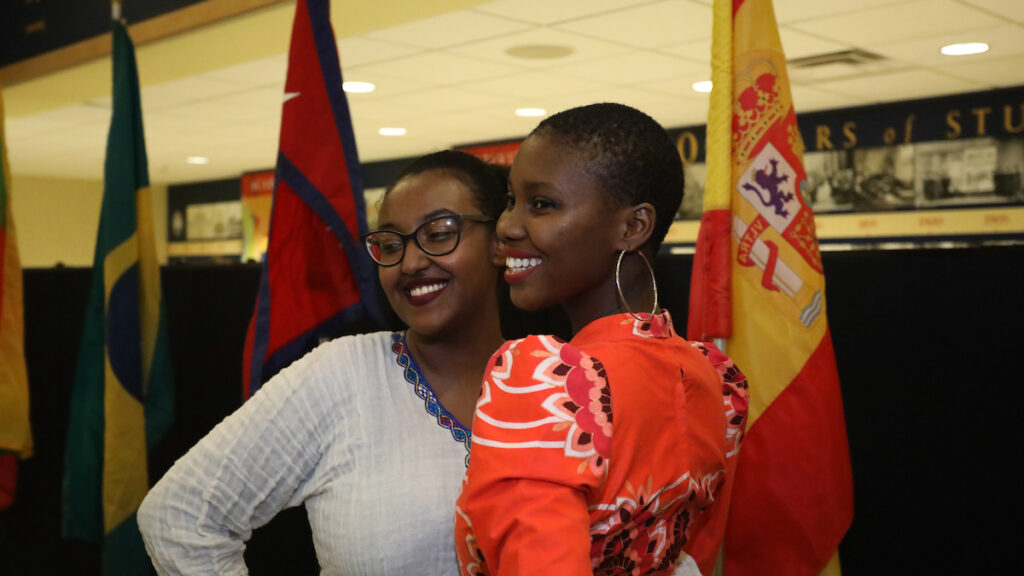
426	393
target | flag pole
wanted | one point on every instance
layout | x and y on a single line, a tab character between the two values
115	10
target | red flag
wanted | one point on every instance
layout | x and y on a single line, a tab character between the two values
315	280
758	269
15	431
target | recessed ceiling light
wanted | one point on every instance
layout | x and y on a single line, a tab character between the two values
964	48
530	112
539	51
197	160
391	131
704	86
358	87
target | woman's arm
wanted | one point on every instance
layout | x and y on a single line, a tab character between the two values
538	451
258	461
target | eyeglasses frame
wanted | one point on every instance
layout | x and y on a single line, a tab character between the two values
414	236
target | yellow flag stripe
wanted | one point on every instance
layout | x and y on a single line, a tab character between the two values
719	128
149	280
125	478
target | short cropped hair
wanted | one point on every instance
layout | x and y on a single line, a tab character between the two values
628	152
487	182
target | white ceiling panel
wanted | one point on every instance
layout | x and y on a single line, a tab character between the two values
631	67
582	48
903	85
449	99
439	68
798	44
258	72
1009	9
189	91
990	73
678	21
906	20
449	29
359	50
1003	40
527	86
550	12
813	98
787	11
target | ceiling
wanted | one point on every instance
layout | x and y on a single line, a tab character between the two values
446	77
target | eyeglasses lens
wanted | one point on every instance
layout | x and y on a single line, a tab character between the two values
438	236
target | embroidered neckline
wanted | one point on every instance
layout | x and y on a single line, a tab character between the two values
413	375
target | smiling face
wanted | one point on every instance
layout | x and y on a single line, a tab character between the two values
437	294
560	234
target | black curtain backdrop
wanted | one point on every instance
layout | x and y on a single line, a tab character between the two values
925	342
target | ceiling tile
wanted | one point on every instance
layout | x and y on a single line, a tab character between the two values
797	44
583	48
190	90
450	99
787	11
536	85
1004	40
650	25
1010	9
989	73
449	29
359	50
679	86
438	68
896	22
905	85
549	12
632	67
271	70
809	99
695	50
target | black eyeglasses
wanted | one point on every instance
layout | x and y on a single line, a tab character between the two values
436	237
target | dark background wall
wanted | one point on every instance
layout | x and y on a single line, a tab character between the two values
926	343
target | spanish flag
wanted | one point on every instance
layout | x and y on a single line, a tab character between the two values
15	432
122	401
758	283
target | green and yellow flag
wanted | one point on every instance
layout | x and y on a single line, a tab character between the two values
122	398
15	432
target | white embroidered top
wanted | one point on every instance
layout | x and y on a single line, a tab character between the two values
352	431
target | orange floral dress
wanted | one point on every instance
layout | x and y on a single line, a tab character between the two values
608	454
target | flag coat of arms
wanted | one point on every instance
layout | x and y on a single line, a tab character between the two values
315	279
121	401
758	283
15	431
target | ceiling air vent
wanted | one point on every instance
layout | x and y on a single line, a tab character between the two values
855	57
837	65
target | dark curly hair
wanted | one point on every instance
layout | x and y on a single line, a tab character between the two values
628	152
487	182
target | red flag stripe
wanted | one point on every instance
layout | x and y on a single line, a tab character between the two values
792	506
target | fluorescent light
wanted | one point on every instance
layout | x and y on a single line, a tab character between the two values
704	86
197	160
358	87
391	131
531	112
964	48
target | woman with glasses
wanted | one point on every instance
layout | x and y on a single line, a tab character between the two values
607	454
369	432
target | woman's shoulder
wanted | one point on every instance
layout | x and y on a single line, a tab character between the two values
351	349
346	359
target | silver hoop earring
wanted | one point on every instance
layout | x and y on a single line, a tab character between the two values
654	284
